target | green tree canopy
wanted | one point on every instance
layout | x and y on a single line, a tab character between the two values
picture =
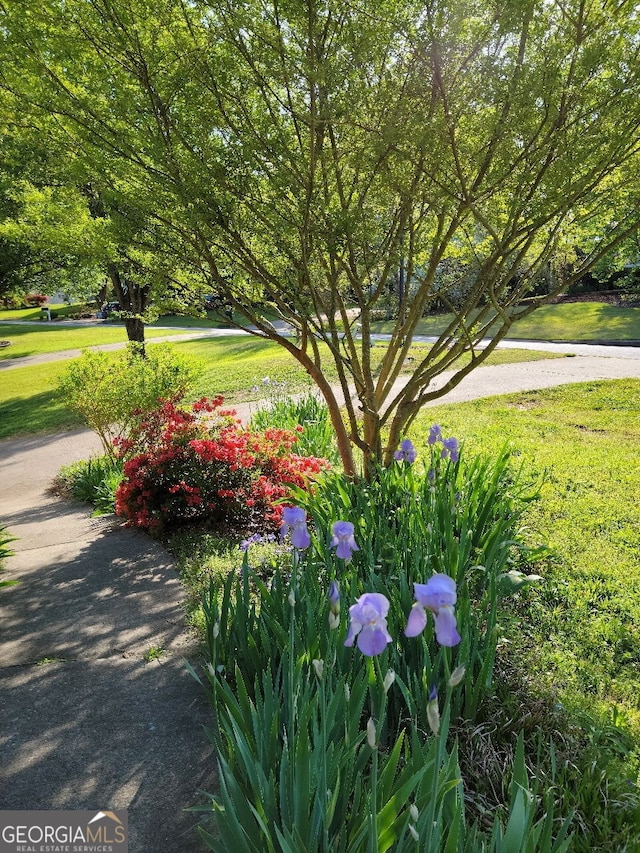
303	153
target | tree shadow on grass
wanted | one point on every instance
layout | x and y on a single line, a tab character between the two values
42	412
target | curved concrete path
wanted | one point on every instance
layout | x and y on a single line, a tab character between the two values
533	375
86	723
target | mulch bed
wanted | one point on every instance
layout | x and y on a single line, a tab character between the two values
611	297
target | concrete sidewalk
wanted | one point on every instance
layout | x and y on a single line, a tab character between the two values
86	722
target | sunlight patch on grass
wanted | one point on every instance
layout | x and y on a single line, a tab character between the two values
29	402
32	339
579	632
36	314
569	321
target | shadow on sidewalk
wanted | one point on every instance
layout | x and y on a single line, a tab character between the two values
86	722
108	734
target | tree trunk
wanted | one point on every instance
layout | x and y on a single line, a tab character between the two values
135	330
102	294
372	455
133	300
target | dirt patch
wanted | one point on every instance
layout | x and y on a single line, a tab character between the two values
525	404
590	430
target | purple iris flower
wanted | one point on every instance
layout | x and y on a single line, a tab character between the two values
450	448
294	518
334	597
439	596
256	539
342	539
435	434
369	624
406	452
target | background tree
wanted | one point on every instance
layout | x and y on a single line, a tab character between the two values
71	225
44	243
304	153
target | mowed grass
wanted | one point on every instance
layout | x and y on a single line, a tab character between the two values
35	339
231	366
577	634
208	320
25	314
579	321
30	403
234	366
569	321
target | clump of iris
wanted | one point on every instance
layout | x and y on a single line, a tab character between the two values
368	616
450	446
406	452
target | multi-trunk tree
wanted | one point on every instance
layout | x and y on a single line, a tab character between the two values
306	153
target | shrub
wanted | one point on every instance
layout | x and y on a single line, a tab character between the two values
196	465
35	300
111	391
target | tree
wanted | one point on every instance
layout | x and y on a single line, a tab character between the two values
40	247
305	154
68	224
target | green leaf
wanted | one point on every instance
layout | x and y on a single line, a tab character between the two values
513	581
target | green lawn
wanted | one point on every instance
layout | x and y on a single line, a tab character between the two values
210	320
33	339
24	314
232	366
580	321
578	633
29	402
569	321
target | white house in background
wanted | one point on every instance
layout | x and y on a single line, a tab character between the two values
57	298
